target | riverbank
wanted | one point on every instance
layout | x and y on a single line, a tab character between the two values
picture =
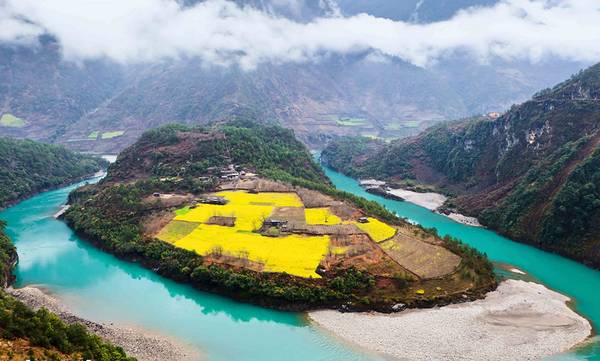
139	343
519	321
429	200
432	201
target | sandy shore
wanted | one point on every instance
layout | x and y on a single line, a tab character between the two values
469	221
519	321
430	200
139	343
433	201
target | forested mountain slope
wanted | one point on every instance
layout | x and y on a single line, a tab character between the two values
28	167
532	173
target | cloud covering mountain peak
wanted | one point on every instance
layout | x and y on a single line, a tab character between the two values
225	33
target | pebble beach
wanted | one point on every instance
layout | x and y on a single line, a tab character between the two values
518	321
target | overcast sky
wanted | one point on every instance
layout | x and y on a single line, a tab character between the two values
221	32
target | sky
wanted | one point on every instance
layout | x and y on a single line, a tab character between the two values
221	32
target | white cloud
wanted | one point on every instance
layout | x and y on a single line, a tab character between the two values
221	32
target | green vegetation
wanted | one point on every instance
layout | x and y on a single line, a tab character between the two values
113	134
45	329
9	120
399	124
573	221
261	148
119	232
115	214
342	153
526	174
349	121
94	135
8	257
27	167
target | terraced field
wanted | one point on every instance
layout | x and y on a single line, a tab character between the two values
113	134
377	230
294	254
321	215
277	232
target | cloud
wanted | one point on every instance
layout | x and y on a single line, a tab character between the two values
222	32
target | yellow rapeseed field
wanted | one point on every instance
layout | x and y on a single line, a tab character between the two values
250	210
248	217
377	230
275	199
295	254
320	216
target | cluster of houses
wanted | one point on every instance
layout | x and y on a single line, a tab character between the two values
231	173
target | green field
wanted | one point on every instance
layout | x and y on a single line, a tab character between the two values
351	122
94	135
398	125
9	120
113	134
371	136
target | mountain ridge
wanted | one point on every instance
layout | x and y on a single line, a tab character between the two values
522	174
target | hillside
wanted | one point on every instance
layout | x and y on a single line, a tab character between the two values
28	167
243	210
530	174
103	106
40	335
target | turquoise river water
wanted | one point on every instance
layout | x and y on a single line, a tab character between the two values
101	288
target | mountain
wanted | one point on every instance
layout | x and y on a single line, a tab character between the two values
47	93
28	167
102	106
531	173
242	209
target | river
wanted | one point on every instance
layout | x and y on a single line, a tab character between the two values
101	288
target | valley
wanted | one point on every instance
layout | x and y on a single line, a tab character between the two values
217	320
332	180
527	173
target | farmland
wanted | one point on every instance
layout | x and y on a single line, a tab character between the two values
377	230
320	216
350	121
266	228
9	120
112	134
293	254
240	232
